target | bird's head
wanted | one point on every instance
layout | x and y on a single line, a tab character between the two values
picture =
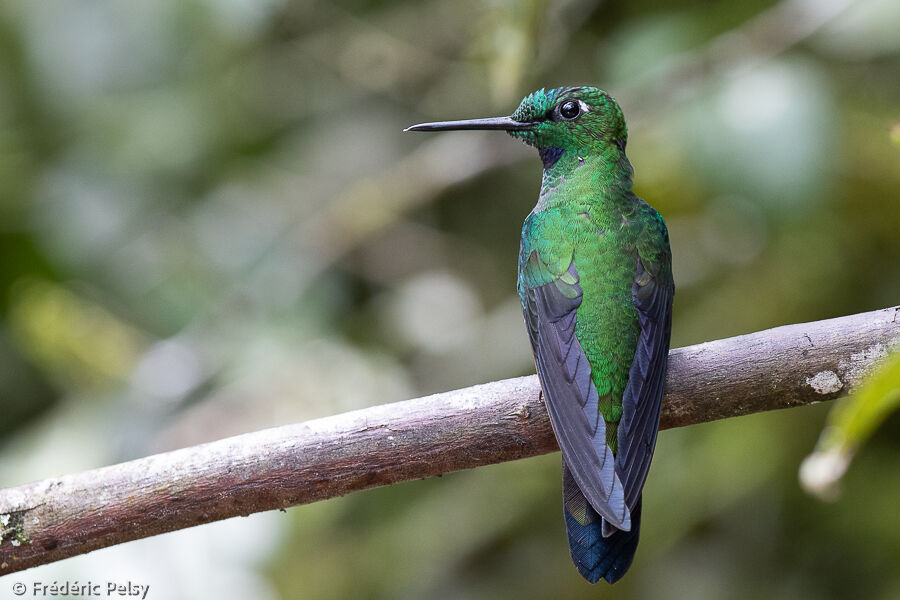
580	119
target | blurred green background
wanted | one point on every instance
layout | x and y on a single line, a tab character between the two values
211	223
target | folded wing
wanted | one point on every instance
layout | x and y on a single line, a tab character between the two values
571	397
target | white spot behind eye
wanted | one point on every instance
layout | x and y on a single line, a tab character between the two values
582	108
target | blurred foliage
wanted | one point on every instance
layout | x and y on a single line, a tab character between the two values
850	423
77	342
210	223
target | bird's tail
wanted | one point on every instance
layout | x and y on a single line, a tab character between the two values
596	556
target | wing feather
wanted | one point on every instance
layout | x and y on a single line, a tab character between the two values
571	397
641	403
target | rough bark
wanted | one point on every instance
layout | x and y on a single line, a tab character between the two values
57	518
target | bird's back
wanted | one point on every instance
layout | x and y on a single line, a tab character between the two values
600	236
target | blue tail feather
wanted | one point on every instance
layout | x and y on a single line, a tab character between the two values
596	556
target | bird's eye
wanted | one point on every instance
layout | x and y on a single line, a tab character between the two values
569	109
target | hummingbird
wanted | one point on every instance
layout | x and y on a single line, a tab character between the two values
595	282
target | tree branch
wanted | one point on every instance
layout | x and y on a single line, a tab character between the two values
57	518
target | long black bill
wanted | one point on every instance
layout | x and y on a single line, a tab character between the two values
501	123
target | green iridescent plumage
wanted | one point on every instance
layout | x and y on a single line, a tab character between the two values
595	282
